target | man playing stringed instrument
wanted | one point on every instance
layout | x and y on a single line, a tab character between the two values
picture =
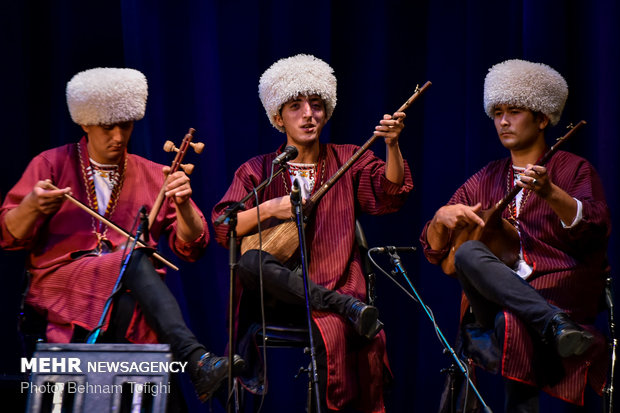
299	96
75	259
532	307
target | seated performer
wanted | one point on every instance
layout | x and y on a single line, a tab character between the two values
531	308
75	259
299	96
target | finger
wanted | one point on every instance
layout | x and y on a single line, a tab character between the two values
178	174
400	116
390	122
474	218
180	198
539	170
46	184
477	207
177	181
179	191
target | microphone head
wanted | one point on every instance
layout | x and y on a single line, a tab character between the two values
295	185
292	152
295	191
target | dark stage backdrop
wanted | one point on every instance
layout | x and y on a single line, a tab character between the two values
203	59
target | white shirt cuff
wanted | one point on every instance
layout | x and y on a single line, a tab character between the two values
578	216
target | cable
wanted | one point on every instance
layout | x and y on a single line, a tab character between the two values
463	366
262	296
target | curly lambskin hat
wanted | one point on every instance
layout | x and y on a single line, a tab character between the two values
297	75
104	96
534	86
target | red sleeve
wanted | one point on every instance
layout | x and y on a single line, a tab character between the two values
38	169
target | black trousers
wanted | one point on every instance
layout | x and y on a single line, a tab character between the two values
159	306
286	303
287	286
490	286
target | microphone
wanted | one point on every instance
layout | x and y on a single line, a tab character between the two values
391	249
290	152
144	223
295	190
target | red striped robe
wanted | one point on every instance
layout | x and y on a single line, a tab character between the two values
69	291
352	377
569	264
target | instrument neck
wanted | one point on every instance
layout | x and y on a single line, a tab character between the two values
541	161
318	194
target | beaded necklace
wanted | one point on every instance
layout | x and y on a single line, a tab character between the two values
99	228
513	211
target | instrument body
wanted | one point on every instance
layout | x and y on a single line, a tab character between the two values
282	241
498	234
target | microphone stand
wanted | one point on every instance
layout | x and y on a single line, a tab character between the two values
230	215
398	269
609	300
299	218
142	229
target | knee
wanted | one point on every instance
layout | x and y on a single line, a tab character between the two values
139	270
248	265
467	255
250	262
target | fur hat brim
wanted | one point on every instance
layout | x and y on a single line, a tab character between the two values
293	76
105	96
534	86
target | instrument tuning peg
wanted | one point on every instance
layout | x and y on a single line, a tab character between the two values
188	168
198	146
169	147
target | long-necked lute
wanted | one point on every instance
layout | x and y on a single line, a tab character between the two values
497	233
176	164
282	241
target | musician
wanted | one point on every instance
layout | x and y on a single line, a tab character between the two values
299	96
541	310
75	259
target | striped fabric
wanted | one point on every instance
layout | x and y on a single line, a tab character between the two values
569	264
334	258
73	291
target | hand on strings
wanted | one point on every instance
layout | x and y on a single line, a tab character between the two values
44	199
535	178
458	216
178	186
390	127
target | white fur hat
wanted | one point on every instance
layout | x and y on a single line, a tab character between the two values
297	75
104	96
534	86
